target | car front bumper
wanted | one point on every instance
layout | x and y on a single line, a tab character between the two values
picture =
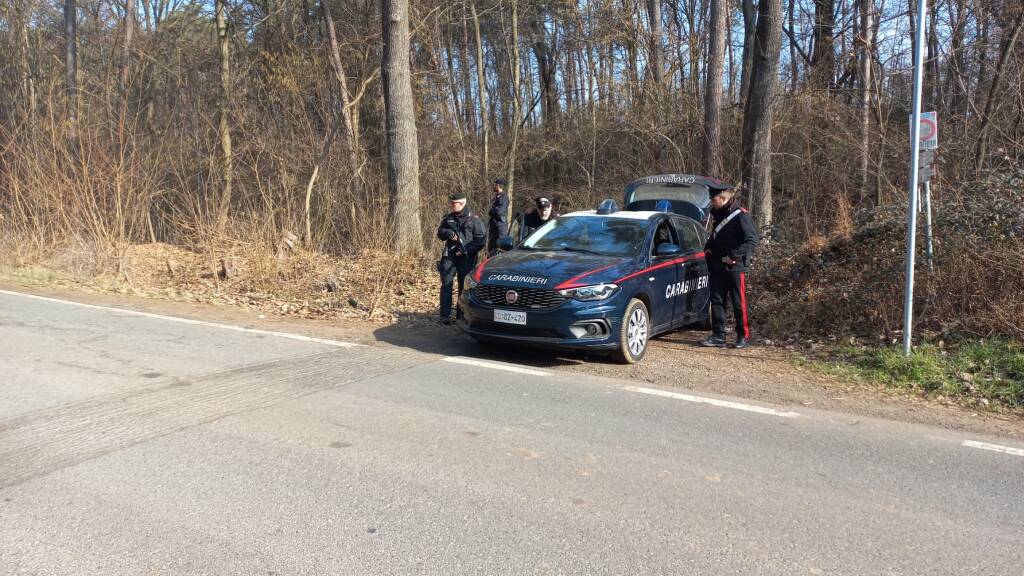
563	326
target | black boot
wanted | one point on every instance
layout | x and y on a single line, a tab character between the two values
713	341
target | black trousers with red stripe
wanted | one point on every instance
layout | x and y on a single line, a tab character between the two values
729	287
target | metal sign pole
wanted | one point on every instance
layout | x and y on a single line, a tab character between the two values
915	150
929	251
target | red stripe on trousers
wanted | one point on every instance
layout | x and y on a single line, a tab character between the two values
743	303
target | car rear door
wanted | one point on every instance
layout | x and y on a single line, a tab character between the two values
692	304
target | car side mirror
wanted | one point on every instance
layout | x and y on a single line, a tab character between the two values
505	243
668	249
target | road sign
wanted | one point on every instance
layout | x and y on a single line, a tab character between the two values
925	173
927	157
929	131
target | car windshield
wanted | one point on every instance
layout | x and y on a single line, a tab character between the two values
594	234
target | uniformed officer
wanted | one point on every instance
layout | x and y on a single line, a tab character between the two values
463	235
536	217
728	250
497	217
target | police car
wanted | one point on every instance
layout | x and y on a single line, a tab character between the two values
601	280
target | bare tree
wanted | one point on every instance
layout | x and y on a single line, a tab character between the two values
71	66
1008	44
866	41
126	46
224	129
656	59
713	90
823	57
749	28
347	112
481	87
516	104
757	118
400	122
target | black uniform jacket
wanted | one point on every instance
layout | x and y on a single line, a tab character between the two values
736	239
469	228
532	221
499	209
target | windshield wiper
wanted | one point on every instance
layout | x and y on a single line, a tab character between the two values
573	249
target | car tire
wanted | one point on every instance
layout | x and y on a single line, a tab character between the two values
634	333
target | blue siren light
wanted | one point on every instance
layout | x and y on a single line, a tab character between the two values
607	206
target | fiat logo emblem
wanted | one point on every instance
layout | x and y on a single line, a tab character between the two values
511	296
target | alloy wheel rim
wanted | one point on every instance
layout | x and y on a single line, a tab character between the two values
637	331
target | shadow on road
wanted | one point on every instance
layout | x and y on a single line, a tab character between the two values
423	333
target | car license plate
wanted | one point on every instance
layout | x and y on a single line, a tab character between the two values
510	317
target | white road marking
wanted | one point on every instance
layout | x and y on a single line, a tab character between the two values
713	402
299	337
993	447
495	366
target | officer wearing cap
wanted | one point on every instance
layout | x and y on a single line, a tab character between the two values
536	217
728	251
497	217
463	235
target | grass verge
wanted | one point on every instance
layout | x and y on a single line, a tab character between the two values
982	370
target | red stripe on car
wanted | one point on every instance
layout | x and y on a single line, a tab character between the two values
479	270
571	282
697	256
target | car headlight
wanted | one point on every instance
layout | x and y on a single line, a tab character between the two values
470	282
591	293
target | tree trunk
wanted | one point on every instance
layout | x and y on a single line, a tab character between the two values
516	105
749	27
823	58
656	59
794	68
757	118
348	114
71	67
126	47
933	87
1009	43
400	121
957	83
545	68
866	42
481	88
225	105
713	90
27	72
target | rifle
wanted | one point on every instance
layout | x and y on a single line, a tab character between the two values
458	239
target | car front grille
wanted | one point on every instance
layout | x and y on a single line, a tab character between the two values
533	298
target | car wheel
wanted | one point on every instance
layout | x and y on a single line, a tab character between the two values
634	333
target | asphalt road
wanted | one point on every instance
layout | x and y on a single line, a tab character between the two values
135	444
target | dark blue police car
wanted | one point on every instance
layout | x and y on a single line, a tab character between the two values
604	279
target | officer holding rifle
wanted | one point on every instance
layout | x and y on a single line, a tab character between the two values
463	235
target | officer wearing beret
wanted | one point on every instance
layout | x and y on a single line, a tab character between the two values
497	217
728	251
463	235
536	217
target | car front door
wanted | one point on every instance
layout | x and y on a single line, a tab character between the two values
662	277
695	288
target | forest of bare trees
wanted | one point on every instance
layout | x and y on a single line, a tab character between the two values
201	122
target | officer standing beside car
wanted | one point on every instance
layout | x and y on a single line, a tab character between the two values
463	235
497	217
728	251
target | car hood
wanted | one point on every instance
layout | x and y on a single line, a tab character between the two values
552	270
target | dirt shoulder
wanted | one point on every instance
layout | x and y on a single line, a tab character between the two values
760	373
